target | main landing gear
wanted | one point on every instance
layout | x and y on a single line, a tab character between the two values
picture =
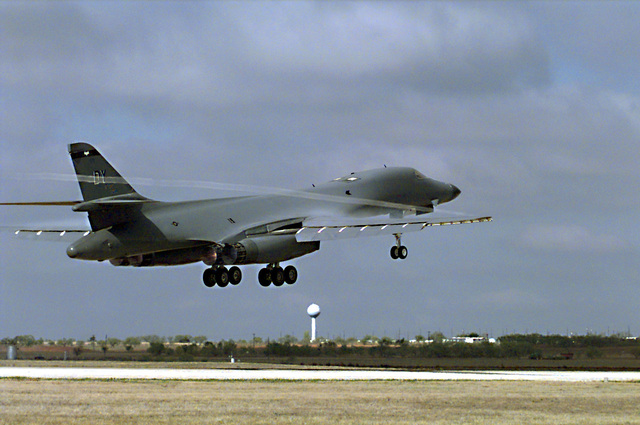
399	251
273	273
219	275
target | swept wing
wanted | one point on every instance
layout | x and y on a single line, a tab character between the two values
324	229
51	235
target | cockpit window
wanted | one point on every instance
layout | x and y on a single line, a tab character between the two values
346	179
419	175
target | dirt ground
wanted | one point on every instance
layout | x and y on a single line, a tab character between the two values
274	402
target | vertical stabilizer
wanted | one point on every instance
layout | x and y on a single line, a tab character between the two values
102	187
97	178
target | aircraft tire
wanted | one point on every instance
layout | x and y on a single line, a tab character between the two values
394	252
264	277
403	252
222	277
235	275
290	275
209	278
277	276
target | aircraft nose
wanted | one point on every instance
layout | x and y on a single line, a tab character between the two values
454	192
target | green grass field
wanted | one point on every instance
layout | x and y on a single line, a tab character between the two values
274	402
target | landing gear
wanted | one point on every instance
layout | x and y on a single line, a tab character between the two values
277	276
290	275
235	275
209	278
399	251
273	273
264	277
222	276
219	275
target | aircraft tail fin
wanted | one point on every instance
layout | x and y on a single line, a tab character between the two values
108	198
97	178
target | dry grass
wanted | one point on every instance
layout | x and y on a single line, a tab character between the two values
268	402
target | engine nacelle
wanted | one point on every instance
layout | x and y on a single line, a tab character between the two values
272	249
255	250
169	258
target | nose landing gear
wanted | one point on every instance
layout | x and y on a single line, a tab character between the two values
399	251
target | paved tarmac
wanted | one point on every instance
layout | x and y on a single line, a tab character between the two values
306	375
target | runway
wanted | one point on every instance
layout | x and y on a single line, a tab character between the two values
309	375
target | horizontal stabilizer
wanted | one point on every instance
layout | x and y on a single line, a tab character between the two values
318	229
45	203
124	201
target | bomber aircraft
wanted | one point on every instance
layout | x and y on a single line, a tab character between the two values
128	229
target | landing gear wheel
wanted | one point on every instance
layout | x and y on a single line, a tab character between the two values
209	278
235	275
222	277
277	276
399	251
264	277
290	275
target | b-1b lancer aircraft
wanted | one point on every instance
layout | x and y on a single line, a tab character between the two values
128	229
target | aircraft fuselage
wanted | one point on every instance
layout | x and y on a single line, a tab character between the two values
254	229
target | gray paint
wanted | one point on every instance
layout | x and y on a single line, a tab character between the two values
129	229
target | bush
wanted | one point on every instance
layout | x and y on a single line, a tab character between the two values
515	349
156	348
185	357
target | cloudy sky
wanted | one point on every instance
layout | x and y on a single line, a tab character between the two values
532	109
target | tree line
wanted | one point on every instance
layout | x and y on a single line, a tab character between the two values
553	340
187	347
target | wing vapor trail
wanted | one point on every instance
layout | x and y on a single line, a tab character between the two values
199	184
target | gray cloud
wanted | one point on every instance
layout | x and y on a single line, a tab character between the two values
530	108
571	238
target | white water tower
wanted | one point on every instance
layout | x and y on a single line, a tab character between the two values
313	311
